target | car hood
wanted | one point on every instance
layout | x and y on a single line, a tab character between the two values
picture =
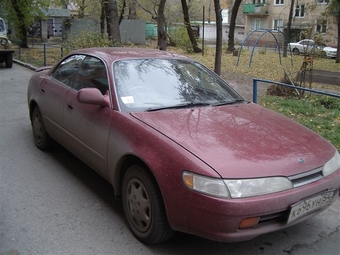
243	140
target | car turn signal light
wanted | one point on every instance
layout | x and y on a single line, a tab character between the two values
249	222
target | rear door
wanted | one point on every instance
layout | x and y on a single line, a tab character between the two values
88	125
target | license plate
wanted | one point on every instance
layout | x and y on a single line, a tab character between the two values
308	205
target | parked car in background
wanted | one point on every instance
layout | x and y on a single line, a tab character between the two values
308	46
329	52
6	51
305	46
181	148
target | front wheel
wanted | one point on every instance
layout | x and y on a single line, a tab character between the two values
296	51
41	138
9	60
143	207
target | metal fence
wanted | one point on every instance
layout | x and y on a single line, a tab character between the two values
256	81
39	54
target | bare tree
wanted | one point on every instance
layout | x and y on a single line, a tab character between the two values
112	21
337	15
103	17
161	26
132	9
337	60
189	28
231	37
218	53
289	24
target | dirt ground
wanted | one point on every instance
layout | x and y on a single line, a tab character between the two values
244	84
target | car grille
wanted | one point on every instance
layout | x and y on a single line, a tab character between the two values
307	177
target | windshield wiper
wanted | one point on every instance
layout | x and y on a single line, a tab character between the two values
230	102
178	106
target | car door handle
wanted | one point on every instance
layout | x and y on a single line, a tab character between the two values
70	107
42	90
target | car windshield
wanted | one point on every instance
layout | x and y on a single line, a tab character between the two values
2	26
157	84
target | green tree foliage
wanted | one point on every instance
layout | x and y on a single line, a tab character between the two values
22	14
88	40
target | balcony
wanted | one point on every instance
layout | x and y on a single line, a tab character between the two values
255	9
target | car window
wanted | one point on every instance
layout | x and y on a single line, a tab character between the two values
92	74
66	70
2	26
142	84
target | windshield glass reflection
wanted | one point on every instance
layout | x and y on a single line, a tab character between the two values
156	84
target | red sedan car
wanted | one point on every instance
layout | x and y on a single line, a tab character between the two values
181	148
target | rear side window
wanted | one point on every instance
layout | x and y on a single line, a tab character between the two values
65	72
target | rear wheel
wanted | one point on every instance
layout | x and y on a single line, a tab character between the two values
41	138
296	51
9	60
143	207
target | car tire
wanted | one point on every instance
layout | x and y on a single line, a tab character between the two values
296	51
323	54
143	206
9	60
41	138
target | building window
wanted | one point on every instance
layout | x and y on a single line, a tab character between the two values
321	26
300	10
323	1
278	25
259	2
256	24
279	2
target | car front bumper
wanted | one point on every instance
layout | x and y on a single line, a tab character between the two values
219	219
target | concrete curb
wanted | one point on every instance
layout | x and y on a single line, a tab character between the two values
25	64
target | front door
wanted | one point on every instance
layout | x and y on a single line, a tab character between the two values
88	125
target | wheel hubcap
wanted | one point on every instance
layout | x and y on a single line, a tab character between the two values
37	128
138	205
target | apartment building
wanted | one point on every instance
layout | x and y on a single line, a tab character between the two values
308	20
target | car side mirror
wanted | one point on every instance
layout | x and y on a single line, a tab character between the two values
92	96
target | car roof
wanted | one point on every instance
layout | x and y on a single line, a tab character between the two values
119	53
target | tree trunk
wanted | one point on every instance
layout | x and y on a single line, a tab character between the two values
289	24
133	9
218	53
81	10
337	59
112	21
102	17
161	26
121	16
22	27
231	37
188	27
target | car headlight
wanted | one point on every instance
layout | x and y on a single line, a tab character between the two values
258	186
332	165
241	188
3	42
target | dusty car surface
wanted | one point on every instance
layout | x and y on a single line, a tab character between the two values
181	148
6	51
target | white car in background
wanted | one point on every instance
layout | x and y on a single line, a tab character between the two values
304	46
329	52
308	46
